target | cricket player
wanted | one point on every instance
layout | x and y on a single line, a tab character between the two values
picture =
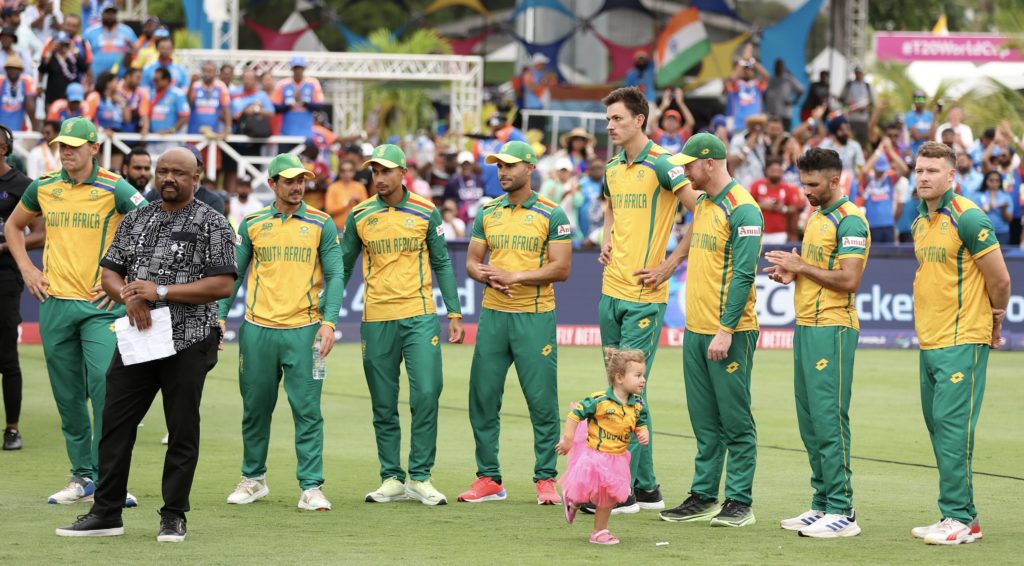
402	241
827	272
529	240
293	252
961	291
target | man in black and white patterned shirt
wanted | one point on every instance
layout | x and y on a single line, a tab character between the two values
178	253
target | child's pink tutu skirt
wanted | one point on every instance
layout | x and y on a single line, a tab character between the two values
591	475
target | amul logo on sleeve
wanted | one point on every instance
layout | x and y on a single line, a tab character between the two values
748	231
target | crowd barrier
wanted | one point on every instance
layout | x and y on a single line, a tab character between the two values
885	303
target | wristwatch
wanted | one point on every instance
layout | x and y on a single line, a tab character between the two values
161	292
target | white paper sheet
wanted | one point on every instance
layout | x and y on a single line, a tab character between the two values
154	343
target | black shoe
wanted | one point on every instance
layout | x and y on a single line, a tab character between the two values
92	526
627	507
693	509
12	439
172	528
649	498
734	514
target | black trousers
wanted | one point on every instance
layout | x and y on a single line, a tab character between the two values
130	392
10	368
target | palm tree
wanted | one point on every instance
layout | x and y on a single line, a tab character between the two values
403	108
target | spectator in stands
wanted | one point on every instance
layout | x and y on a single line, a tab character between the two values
963	136
137	99
591	214
996	203
1000	156
226	74
642	75
8	37
920	123
242	203
111	42
745	90
849	150
782	94
19	96
137	169
453	226
780	204
578	146
44	19
563	188
145	47
859	102
465	188
63	63
111	108
820	93
776	137
719	126
967	180
365	175
344	193
537	83
501	131
978	148
296	99
210	104
92	12
165	60
316	188
44	158
676	121
168	110
748	151
72	26
27	41
72	105
882	193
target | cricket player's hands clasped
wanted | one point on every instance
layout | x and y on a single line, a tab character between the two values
997	327
643	436
456	334
100	299
326	334
718	350
498	278
36	283
785	265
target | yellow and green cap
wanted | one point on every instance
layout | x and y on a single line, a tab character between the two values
701	146
514	152
287	165
76	132
388	155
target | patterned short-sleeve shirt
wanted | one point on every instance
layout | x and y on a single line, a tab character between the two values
174	248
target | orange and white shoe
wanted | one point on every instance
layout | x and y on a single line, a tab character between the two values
483	489
950	532
547	493
976	529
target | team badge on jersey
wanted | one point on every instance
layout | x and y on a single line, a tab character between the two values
137	199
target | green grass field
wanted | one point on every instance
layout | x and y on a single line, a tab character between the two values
895	482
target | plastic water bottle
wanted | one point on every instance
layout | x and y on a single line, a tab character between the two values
319	362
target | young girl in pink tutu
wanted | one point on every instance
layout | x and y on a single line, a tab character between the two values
596	436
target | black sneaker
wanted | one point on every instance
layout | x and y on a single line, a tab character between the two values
92	526
694	508
649	498
734	514
172	528
627	507
12	439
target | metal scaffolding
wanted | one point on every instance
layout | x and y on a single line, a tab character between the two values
344	74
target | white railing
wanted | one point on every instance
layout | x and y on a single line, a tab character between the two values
589	121
253	166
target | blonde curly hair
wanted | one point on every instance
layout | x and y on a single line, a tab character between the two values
617	361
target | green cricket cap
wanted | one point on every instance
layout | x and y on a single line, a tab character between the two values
76	132
514	152
700	146
388	155
287	165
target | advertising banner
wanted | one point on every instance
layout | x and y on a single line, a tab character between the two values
971	48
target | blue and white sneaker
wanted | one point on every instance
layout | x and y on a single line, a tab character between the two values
833	525
130	500
803	520
77	489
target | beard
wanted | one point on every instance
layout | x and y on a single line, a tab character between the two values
842	138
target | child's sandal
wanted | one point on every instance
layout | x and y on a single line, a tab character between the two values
603	537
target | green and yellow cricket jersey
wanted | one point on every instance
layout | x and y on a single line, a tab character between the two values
290	258
951	305
610	424
641	194
832	234
518	238
81	219
401	246
724	250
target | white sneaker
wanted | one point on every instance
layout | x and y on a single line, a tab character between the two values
249	490
425	492
77	489
314	500
803	520
165	439
390	490
949	531
920	532
833	525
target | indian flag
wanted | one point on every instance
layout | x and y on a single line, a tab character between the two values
683	44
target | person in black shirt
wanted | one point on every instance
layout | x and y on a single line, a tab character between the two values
12	185
178	253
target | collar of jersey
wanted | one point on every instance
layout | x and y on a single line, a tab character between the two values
639	158
301	211
721	196
835	205
401	204
528	203
610	394
92	176
944	201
